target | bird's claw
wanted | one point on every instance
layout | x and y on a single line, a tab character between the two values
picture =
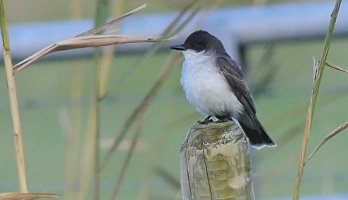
222	120
207	120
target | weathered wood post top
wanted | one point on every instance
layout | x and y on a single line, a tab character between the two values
215	163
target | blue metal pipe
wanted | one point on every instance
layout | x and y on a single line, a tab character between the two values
235	26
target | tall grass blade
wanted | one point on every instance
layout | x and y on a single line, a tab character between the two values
336	67
102	13
143	104
171	30
14	107
312	103
153	91
88	158
156	157
110	23
72	185
122	174
330	135
70	42
173	181
108	56
289	134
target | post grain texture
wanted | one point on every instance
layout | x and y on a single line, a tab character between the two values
215	163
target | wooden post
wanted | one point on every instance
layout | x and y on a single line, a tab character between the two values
215	163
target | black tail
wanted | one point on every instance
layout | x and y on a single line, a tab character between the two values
255	132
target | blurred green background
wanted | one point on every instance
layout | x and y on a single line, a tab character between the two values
45	89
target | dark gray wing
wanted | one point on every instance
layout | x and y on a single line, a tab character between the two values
235	78
248	120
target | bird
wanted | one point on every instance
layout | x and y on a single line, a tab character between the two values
215	85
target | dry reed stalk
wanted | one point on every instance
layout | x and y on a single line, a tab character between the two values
75	9
101	15
14	108
88	158
105	66
27	196
145	189
288	135
153	91
122	174
73	143
88	39
83	42
140	108
311	108
108	54
285	163
110	23
154	160
173	181
95	130
330	135
298	110
91	144
74	136
171	63
171	30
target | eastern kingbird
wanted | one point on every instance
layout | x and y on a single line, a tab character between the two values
214	84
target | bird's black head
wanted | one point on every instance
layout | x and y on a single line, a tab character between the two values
200	41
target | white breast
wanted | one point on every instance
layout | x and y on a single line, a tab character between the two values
205	87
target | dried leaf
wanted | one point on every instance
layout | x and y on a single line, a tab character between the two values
82	42
330	135
102	40
336	67
31	59
94	31
313	99
87	39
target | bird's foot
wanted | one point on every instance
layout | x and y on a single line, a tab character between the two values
207	120
223	119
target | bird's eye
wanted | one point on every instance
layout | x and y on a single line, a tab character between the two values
194	44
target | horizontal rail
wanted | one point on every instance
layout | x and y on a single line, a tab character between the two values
235	26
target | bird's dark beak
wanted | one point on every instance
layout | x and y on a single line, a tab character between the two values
179	47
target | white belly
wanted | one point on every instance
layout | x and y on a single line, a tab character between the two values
207	90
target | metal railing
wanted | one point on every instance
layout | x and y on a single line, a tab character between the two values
237	27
